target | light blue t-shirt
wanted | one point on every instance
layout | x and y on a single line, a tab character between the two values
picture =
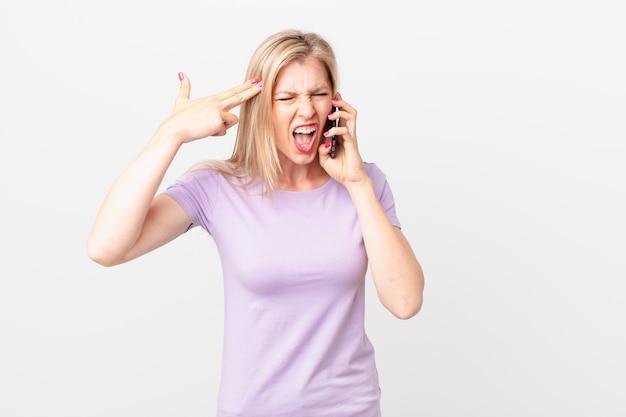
294	267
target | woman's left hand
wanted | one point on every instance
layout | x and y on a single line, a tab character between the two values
347	165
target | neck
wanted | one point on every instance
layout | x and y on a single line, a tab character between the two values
302	177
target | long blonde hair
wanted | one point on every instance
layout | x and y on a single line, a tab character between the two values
254	156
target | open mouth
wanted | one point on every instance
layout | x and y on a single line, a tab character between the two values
304	138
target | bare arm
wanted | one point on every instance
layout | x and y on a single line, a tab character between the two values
131	221
396	272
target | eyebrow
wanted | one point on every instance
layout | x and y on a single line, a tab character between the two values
312	91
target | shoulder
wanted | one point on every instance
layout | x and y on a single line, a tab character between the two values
373	170
200	182
200	173
208	174
378	176
379	180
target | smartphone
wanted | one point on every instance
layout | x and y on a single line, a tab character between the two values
333	139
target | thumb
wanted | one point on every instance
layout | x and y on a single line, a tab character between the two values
185	86
230	120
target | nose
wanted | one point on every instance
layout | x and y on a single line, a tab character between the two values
305	107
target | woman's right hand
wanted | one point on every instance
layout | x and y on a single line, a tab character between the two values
199	118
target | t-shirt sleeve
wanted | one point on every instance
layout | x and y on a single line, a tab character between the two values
195	191
383	191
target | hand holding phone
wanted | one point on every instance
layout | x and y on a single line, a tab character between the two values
333	139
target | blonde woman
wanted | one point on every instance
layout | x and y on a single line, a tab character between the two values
296	231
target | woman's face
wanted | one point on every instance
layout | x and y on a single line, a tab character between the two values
301	101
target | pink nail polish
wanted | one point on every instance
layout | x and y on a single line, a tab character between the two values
181	76
254	81
327	144
326	134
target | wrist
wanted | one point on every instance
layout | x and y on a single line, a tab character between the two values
167	136
359	186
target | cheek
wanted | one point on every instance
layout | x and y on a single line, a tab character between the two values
280	118
325	108
280	124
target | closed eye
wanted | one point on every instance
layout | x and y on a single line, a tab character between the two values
315	96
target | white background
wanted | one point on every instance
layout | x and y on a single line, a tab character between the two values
500	124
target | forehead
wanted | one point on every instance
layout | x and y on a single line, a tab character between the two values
302	75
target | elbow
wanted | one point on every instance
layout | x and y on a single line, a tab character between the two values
100	255
407	309
407	299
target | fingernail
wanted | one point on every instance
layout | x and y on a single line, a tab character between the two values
327	144
181	76
254	81
326	134
260	84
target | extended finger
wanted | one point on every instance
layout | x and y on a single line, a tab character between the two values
233	97
185	86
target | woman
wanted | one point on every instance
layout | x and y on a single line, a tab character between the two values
296	231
